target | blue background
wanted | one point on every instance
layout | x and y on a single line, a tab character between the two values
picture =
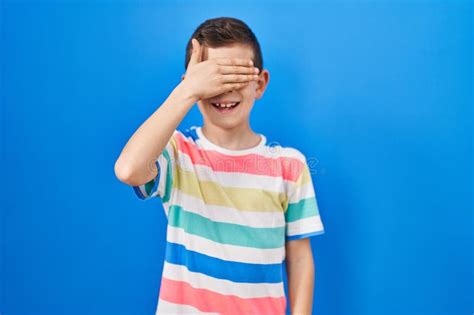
380	93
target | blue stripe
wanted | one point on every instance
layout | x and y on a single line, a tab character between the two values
223	269
138	192
300	236
191	132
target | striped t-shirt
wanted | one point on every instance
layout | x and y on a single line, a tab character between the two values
229	214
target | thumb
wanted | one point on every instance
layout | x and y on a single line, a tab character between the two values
196	54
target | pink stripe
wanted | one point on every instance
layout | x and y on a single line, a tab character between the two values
286	167
180	292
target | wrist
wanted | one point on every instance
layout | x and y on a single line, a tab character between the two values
186	93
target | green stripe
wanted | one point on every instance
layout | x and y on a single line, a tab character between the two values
302	209
149	186
169	177
226	233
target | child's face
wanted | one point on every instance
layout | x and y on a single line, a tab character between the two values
239	115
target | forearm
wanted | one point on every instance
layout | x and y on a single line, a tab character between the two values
301	274
135	164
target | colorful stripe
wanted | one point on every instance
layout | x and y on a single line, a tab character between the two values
229	216
181	293
223	269
287	168
225	233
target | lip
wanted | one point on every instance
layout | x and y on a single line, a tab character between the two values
224	102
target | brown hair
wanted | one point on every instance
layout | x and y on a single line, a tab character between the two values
224	31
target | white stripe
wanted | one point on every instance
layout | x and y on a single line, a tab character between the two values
143	191
222	286
226	252
168	308
166	206
164	172
263	219
303	192
306	225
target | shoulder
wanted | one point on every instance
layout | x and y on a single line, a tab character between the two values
284	152
187	135
291	160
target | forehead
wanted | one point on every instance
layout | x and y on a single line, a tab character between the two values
233	51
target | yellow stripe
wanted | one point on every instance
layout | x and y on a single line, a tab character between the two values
304	178
243	199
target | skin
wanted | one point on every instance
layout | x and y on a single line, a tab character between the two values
213	75
301	274
231	131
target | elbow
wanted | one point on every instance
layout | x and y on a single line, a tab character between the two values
129	174
123	172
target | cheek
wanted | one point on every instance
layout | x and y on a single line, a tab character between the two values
249	90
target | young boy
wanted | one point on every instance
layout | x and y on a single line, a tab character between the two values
236	205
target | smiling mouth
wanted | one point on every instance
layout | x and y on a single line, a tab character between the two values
227	107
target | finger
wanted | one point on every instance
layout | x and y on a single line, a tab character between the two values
229	78
196	53
234	62
238	70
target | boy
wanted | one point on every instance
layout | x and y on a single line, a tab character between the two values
236	206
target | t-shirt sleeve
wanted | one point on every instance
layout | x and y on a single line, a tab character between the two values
161	185
302	215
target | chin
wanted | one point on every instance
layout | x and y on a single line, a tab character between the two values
225	123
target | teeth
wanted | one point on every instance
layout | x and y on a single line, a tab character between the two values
225	105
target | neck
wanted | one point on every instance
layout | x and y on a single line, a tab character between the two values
238	138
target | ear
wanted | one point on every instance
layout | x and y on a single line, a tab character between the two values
263	79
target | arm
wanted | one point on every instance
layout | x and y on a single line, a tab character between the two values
300	271
135	164
203	79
